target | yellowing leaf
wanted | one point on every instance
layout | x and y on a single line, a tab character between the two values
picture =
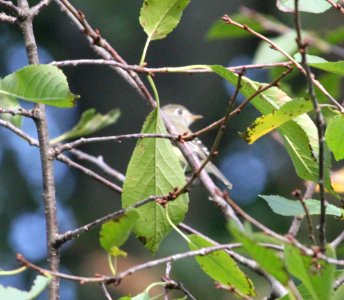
269	122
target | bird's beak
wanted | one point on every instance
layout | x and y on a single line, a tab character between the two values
197	117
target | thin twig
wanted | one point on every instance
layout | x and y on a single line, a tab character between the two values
163	70
311	234
10	6
19	132
36	9
89	173
295	225
18	112
105	291
118	278
232	289
71	234
338	240
7	19
319	122
174	285
338	282
336	6
118	138
274	46
99	162
49	198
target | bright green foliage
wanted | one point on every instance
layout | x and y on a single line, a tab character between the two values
221	30
269	122
159	17
44	84
89	123
221	267
114	233
300	134
265	54
154	170
310	6
316	275
268	259
142	296
286	207
9	102
334	136
40	283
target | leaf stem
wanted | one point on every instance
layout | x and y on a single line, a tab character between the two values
112	264
12	272
144	52
155	91
175	227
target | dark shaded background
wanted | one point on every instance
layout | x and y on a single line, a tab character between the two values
262	168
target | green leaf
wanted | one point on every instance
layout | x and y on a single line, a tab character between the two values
286	207
159	17
269	122
40	283
154	169
310	6
114	233
300	134
339	293
316	275
268	259
90	122
335	67
9	102
265	54
219	266
44	84
221	30
334	136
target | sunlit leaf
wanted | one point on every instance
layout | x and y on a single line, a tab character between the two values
310	6
337	179
316	275
39	83
114	233
159	17
269	122
300	134
334	136
268	259
154	169
286	207
90	122
221	267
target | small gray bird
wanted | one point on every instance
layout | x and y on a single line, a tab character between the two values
181	118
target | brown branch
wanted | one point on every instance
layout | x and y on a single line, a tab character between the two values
338	240
89	173
18	112
72	234
163	70
19	132
118	138
26	26
336	6
99	162
228	20
36	9
319	122
295	226
7	19
10	6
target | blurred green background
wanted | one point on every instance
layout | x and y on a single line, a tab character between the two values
262	168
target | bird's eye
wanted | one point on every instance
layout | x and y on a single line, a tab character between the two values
179	111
